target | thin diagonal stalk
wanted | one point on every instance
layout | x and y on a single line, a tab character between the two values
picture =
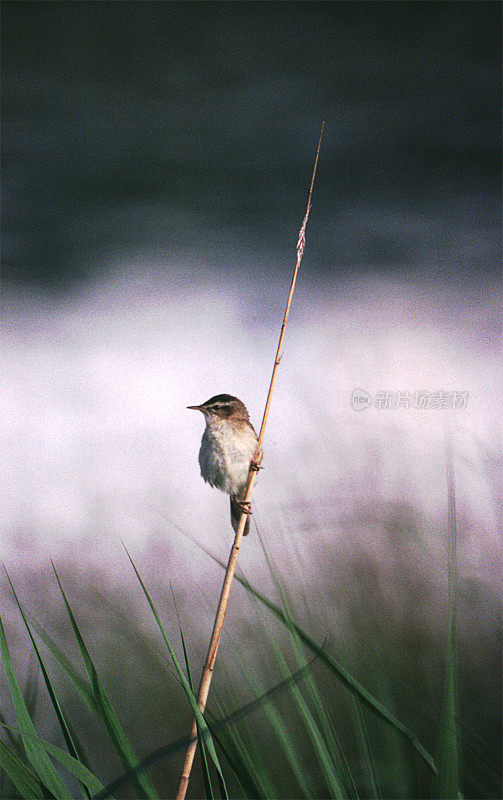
207	675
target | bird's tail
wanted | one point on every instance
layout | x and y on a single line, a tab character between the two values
236	512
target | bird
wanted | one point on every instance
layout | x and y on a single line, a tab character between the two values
227	450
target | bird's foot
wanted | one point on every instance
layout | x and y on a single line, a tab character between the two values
255	467
245	506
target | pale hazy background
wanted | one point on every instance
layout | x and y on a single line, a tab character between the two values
101	445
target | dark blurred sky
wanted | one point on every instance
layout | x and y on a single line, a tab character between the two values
171	127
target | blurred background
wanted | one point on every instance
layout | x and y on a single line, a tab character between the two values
156	159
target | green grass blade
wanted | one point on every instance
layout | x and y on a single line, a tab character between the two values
82	773
73	765
447	779
277	724
275	719
446	784
72	748
483	751
190	694
78	682
318	742
165	751
250	755
23	778
15	742
208	788
369	759
396	767
38	758
31	688
319	727
347	679
104	708
237	758
245	743
182	639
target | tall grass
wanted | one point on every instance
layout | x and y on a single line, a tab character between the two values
306	717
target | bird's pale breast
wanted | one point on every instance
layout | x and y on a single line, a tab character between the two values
225	455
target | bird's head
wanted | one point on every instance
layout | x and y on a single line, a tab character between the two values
222	406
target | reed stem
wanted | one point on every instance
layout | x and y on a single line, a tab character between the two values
207	675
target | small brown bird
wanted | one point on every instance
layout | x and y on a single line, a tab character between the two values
227	448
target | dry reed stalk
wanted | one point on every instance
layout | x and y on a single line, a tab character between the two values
207	675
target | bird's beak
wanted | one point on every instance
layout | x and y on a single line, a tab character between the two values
195	408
